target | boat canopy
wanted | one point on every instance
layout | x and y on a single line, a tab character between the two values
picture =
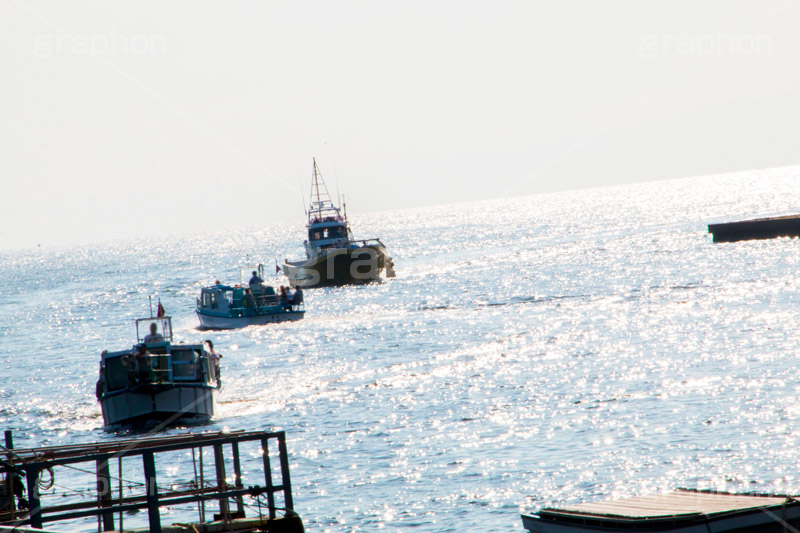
163	327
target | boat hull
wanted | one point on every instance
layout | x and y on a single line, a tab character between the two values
338	266
173	403
210	321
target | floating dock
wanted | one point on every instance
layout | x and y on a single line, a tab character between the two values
680	511
759	228
110	482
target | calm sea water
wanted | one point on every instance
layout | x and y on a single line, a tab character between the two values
531	351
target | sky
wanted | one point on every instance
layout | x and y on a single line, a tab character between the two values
120	119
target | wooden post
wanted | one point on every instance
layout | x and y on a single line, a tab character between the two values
104	493
268	479
35	505
285	481
152	492
12	502
219	464
237	472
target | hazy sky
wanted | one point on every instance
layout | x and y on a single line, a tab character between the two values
120	119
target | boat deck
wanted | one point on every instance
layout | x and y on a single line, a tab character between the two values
684	511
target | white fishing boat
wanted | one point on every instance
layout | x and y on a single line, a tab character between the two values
157	380
333	256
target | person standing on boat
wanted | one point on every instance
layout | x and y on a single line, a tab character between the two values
154	335
256	279
215	357
284	297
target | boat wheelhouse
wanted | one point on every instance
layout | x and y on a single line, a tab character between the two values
157	380
333	256
254	304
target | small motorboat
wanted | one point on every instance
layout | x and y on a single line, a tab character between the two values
253	304
333	256
157	380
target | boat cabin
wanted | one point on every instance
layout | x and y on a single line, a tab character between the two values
329	232
155	362
235	301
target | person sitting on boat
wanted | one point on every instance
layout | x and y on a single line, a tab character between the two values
256	284
297	299
154	335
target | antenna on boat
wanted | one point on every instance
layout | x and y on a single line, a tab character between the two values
150	298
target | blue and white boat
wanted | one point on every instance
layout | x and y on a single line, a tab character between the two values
157	380
255	304
333	256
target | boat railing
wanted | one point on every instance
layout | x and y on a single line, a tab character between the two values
363	243
167	368
112	481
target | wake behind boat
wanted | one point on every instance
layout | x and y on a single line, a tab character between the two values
255	304
333	256
157	380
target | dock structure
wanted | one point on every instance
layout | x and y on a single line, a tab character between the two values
679	511
759	228
112	481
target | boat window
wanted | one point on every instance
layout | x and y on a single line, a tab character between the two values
183	364
116	374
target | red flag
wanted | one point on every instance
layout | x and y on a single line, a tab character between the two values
161	311
277	268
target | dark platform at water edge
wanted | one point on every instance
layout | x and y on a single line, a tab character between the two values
759	228
680	511
87	481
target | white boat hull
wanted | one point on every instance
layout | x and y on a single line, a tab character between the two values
338	266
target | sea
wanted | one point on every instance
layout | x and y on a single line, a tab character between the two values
532	351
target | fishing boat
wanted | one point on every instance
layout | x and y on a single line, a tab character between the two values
254	304
333	256
157	380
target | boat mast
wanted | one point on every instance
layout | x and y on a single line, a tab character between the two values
320	197
316	177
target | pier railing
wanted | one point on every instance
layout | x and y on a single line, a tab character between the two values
126	475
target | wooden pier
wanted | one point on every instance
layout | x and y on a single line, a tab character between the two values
759	228
680	511
49	484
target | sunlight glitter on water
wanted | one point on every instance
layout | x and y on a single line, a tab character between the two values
532	351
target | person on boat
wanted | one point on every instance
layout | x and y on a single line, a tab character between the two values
215	357
140	361
10	487
297	299
154	335
249	299
256	284
284	297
